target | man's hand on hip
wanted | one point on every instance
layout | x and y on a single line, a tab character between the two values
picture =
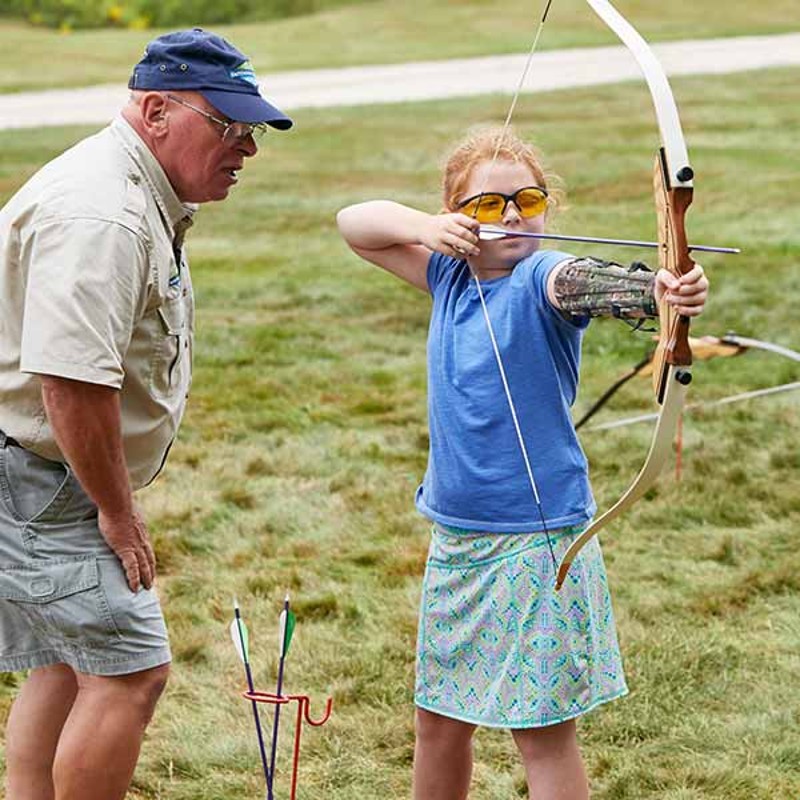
127	536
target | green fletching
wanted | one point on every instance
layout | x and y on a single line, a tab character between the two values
287	623
290	623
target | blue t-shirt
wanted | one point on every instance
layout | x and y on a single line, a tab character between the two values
476	477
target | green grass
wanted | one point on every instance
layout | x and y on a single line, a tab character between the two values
305	439
380	32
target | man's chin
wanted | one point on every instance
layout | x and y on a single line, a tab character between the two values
207	197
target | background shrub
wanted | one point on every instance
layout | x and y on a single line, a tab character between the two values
67	14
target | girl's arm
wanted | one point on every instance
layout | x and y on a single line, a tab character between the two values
401	239
590	287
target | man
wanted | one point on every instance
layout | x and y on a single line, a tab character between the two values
96	322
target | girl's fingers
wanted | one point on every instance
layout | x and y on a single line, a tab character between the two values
694	281
461	245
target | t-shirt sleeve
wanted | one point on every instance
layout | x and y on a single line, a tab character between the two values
439	267
86	286
540	265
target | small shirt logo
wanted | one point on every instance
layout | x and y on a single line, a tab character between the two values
244	72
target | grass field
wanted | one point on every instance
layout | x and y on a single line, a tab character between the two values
306	437
380	32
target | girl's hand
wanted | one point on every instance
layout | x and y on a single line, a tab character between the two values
687	294
452	234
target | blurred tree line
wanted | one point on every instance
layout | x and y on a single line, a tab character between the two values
68	14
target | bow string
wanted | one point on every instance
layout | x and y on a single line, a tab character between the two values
673	188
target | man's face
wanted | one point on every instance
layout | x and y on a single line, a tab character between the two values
199	164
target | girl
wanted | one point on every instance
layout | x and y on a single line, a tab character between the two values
497	646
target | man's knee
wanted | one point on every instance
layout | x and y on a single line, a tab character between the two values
139	690
147	687
154	681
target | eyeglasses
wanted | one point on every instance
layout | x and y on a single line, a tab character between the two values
491	206
232	132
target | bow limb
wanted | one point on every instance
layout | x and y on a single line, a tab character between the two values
660	449
758	344
673	142
673	195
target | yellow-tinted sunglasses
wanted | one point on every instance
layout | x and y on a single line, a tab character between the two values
491	206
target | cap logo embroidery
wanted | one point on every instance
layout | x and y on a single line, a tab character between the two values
244	72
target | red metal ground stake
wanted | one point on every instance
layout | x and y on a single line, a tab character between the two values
303	706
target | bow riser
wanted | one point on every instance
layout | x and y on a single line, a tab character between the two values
672	205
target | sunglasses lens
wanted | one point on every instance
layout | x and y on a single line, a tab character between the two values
531	202
487	208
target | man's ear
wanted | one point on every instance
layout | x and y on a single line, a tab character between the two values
153	109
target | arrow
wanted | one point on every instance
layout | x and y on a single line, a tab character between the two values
286	629
489	233
240	642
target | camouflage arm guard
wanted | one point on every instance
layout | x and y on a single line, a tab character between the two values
594	288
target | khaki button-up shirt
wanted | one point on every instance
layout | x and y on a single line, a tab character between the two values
94	287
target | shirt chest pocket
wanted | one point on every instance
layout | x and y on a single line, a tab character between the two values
170	366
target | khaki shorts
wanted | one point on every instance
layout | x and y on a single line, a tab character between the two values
63	594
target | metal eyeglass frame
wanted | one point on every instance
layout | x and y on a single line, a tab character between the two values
231	131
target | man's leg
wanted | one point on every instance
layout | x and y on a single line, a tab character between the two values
442	757
34	727
100	741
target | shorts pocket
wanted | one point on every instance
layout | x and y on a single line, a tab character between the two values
63	598
33	488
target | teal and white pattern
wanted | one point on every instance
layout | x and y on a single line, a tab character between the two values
498	646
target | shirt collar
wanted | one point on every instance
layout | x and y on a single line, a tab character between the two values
177	215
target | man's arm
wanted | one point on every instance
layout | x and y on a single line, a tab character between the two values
86	422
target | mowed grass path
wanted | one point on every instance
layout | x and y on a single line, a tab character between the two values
306	437
380	32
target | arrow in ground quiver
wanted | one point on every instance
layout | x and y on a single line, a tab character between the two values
286	629
287	624
240	639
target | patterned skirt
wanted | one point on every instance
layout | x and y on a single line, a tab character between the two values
498	646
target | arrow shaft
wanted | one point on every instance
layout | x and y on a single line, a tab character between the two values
279	689
276	720
492	233
256	718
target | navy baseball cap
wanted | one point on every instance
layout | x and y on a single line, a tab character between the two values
199	61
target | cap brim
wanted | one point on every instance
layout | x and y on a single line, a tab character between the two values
242	107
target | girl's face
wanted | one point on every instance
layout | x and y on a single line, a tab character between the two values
506	177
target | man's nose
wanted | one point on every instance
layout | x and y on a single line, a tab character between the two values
248	146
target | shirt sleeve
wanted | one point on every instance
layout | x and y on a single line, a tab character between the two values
86	287
439	267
